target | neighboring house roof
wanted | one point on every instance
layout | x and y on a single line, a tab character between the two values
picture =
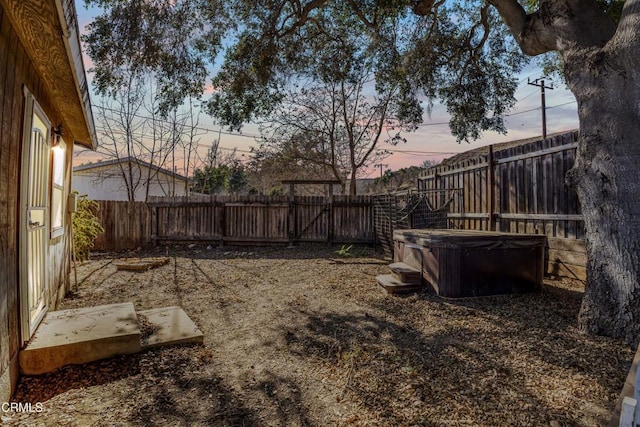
54	24
106	163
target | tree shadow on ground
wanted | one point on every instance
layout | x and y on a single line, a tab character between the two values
284	398
184	395
545	326
167	386
454	370
41	388
183	387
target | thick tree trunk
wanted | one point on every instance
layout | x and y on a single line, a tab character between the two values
606	176
608	184
602	68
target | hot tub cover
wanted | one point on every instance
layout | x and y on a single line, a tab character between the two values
468	239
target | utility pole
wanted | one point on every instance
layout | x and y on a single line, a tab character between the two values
540	83
380	165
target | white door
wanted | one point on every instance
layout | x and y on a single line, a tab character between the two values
35	217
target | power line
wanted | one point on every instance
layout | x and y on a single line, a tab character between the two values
522	112
423	152
140	116
432	124
227	149
142	136
531	94
256	137
562	105
507	115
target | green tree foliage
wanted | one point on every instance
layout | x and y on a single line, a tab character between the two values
466	63
175	41
237	182
222	179
86	227
210	179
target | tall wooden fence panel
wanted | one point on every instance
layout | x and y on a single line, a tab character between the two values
353	219
127	225
263	219
520	189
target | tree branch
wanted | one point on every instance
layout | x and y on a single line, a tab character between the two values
303	16
360	15
557	25
533	37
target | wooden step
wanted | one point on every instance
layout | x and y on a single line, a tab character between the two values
83	335
405	273
393	286
167	326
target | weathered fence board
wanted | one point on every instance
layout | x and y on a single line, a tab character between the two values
339	219
520	188
127	225
236	219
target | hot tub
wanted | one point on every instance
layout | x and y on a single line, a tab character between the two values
463	263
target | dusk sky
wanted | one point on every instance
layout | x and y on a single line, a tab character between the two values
433	140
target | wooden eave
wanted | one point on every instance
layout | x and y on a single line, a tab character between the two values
48	30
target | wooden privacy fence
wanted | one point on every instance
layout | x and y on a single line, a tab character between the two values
519	188
514	187
263	219
237	219
127	225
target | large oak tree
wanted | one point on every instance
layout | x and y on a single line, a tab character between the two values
458	52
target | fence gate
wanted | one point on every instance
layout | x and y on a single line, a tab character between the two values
315	223
426	209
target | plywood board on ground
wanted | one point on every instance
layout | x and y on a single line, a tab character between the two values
141	264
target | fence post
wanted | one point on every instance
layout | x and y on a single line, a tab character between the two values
223	217
330	213
491	190
154	225
291	229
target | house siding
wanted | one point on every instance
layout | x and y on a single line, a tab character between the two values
17	70
106	183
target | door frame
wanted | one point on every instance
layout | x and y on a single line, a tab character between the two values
27	327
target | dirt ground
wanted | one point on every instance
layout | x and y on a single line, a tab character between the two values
302	336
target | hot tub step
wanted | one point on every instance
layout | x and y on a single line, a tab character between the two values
393	286
405	273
